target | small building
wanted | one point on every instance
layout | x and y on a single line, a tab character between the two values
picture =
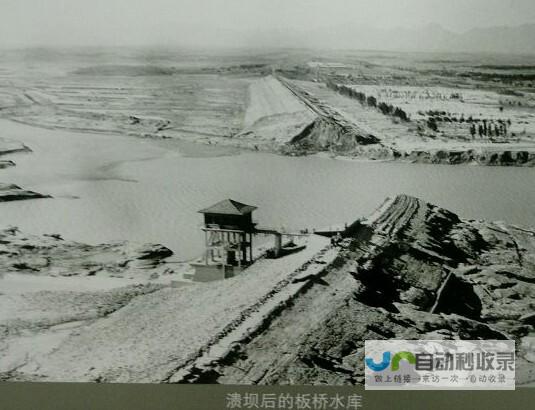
229	229
230	214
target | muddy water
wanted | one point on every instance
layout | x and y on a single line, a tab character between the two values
109	188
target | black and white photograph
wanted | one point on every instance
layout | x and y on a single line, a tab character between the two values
249	192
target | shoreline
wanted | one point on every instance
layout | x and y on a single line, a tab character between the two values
93	171
479	154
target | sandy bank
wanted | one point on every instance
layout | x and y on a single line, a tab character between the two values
50	288
151	337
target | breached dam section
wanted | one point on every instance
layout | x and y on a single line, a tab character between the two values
410	270
282	117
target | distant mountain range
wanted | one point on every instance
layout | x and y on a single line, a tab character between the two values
519	39
430	38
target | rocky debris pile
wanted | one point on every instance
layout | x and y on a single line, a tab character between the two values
12	192
6	164
329	134
491	157
439	263
53	256
153	252
416	271
149	123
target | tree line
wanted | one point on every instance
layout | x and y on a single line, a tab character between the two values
480	127
369	100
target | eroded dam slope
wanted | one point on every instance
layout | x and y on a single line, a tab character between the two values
412	271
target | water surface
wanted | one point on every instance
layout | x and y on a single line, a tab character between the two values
109	187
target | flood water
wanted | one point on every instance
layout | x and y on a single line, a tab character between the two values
109	187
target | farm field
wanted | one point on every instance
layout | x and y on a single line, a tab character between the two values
155	106
237	100
459	105
454	117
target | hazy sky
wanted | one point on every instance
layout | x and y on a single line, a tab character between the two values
166	22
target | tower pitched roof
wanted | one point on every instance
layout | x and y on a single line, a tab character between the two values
229	207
